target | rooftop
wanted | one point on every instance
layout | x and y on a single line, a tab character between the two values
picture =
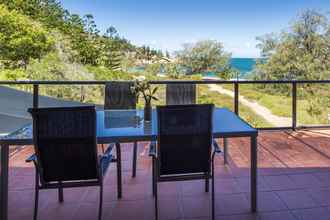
294	183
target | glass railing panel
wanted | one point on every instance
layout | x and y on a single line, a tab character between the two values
266	105
313	104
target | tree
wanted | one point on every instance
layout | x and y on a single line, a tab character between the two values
21	39
303	52
111	32
203	56
168	56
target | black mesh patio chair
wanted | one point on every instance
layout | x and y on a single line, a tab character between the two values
184	146
118	95
180	94
65	147
183	93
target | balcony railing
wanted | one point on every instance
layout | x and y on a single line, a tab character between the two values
236	84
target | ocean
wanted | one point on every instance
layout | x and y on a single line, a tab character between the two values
243	65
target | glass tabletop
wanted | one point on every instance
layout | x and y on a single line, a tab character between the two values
129	125
125	125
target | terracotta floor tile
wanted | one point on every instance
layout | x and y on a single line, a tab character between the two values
283	215
169	189
142	176
58	211
89	211
72	195
193	188
312	214
244	184
137	192
324	178
282	182
239	217
132	210
169	209
232	204
305	180
226	186
93	194
21	182
321	196
296	199
269	201
223	171
194	207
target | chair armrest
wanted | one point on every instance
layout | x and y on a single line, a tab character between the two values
32	158
106	159
216	147
109	149
153	149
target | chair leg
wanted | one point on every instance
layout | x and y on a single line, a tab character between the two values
60	193
207	182
153	177
134	159
119	177
36	197
225	151
101	201
213	191
156	201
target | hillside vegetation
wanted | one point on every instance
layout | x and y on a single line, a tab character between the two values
40	40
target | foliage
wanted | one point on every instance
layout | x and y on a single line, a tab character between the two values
21	39
153	69
13	74
203	56
143	87
91	47
301	53
103	73
173	71
148	54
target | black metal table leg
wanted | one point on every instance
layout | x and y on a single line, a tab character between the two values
254	177
4	157
119	178
134	159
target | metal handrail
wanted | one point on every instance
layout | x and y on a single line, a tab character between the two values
102	82
236	84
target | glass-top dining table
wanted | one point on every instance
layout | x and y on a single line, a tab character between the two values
123	126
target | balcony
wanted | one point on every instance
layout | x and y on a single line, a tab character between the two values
293	178
294	183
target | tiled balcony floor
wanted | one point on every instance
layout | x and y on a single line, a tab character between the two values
294	183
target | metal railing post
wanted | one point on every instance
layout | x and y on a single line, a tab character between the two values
35	95
294	105
236	101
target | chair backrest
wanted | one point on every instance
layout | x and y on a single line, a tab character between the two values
184	138
65	143
118	95
180	94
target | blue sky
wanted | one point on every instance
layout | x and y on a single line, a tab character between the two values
167	24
